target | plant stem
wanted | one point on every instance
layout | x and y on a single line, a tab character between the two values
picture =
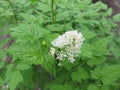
15	15
53	12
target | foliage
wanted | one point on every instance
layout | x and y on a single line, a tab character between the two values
33	24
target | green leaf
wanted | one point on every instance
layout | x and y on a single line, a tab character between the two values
15	79
2	54
88	34
104	22
55	27
50	37
116	18
62	77
60	87
102	44
86	51
28	18
100	6
30	32
22	66
83	4
44	7
94	87
105	88
2	64
40	19
63	15
79	75
28	77
109	12
9	72
6	13
28	52
96	61
48	64
1	82
115	50
37	60
107	73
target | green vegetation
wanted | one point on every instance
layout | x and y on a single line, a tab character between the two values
34	24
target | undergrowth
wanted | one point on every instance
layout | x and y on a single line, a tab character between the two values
34	24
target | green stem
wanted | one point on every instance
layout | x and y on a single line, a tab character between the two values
53	11
79	65
15	15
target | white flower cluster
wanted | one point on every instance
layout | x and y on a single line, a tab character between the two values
69	45
5	87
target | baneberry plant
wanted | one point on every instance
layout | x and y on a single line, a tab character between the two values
59	45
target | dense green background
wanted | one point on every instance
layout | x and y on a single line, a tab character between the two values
33	24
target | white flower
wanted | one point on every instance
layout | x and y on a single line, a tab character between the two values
69	44
59	64
61	55
5	87
52	51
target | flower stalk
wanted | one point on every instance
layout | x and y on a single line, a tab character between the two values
53	11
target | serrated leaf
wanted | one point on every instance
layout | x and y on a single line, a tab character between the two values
48	64
29	32
55	28
37	60
116	18
88	34
83	4
86	51
100	47
105	88
28	77
60	87
104	22
115	50
28	18
22	66
96	61
79	75
7	13
46	7
28	52
15	79
107	73
2	54
63	15
100	6
109	12
94	87
9	72
40	19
